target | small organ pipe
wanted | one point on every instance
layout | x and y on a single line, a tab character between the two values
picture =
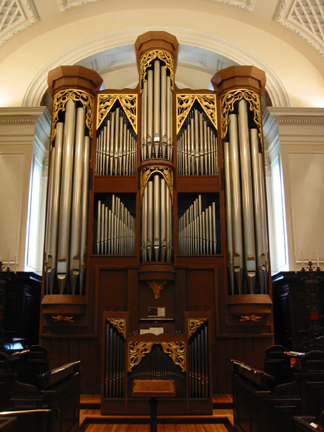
116	141
149	112
229	231
264	223
157	216
198	230
197	146
169	224
163	220
144	122
164	95
150	220
144	226
115	229
257	207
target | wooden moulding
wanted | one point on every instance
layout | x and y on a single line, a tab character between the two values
249	305
64	304
66	77
156	40
161	271
247	77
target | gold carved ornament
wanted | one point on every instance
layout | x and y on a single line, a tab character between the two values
186	101
194	325
177	352
119	324
127	102
137	351
146	62
254	318
166	172
60	100
59	318
227	104
156	287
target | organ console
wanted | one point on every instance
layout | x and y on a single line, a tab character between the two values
163	188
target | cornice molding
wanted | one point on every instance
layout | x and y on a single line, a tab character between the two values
304	116
15	16
75	53
38	116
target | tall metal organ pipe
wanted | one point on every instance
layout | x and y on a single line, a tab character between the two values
245	206
66	230
156	112
157	221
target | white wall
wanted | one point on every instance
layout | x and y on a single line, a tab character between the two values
24	136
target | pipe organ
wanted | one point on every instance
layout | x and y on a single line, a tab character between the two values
156	250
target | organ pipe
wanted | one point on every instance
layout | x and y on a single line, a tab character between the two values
157	114
66	196
197	146
116	146
156	221
115	228
245	206
76	201
198	229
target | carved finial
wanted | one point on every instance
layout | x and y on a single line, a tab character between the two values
156	287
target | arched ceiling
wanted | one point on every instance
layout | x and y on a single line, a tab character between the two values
283	37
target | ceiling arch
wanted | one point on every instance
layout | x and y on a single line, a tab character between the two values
189	40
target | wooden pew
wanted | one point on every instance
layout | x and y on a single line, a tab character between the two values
261	406
56	391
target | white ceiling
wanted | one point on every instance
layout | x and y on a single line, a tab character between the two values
298	24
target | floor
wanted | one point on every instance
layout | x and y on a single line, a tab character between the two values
221	420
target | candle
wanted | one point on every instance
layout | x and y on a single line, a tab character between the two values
309	255
295	262
317	258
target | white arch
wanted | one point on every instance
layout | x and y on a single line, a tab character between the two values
75	53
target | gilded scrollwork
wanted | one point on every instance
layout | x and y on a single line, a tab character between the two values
146	62
137	351
186	101
127	101
177	352
119	324
227	105
253	318
166	172
60	100
194	324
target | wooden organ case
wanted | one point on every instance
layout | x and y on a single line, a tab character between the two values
156	252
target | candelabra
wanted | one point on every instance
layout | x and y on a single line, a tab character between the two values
313	280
